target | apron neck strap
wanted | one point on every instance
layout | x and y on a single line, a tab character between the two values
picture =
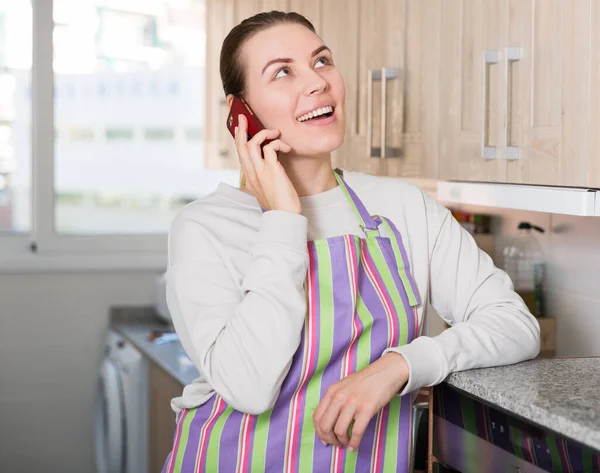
366	222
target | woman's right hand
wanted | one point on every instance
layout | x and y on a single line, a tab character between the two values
265	177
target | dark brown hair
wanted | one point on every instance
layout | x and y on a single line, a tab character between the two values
231	67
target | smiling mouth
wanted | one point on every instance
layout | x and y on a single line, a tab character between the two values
320	113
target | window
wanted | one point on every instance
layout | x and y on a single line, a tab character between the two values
15	120
159	134
122	83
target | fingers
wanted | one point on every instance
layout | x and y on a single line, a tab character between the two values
270	151
358	429
240	136
343	423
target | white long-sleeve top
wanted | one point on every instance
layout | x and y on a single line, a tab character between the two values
235	289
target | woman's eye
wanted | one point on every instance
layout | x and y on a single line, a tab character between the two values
324	60
284	70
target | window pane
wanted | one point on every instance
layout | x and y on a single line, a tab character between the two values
129	100
15	116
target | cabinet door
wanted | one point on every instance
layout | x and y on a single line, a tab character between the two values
556	92
220	147
471	99
338	21
163	388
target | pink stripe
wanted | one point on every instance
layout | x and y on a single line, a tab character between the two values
376	462
218	408
351	251
378	284
309	356
244	464
417	328
565	456
177	438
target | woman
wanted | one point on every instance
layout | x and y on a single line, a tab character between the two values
300	296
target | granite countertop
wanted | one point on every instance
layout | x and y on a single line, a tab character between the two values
561	394
169	356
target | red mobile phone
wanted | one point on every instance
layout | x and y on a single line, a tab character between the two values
239	105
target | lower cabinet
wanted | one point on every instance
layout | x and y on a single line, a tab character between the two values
163	388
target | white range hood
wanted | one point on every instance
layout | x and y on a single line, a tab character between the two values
557	200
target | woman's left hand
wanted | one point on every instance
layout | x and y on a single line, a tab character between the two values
357	398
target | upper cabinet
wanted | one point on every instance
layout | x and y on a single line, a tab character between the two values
384	49
520	82
499	91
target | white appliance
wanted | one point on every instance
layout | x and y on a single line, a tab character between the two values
121	411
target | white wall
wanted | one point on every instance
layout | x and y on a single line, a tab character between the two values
51	345
572	246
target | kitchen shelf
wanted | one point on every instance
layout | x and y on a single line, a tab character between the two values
557	200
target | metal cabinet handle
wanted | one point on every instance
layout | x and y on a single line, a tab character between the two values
382	75
513	54
490	56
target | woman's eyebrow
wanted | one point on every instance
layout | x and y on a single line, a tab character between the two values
288	60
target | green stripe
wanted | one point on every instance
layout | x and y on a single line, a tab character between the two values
363	359
516	439
551	442
349	198
214	440
325	329
183	439
469	418
386	275
390	458
401	269
259	447
587	460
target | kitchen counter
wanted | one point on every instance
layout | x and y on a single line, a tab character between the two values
562	394
169	356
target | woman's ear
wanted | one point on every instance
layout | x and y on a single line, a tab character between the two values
229	100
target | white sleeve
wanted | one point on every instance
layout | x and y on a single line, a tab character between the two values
490	324
242	340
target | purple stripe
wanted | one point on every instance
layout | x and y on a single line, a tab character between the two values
343	312
404	433
278	425
405	259
388	254
365	449
200	417
229	442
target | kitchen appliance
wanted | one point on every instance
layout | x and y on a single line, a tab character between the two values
121	409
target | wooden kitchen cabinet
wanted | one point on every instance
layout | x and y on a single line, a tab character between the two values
556	96
393	34
539	102
163	388
222	16
469	29
220	152
363	35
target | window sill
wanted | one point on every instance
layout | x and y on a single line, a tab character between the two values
72	262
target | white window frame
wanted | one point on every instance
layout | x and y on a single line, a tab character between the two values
42	249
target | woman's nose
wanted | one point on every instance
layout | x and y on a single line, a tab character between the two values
316	84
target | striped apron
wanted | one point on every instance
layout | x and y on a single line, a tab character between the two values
362	299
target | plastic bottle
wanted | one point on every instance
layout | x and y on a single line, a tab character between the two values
524	261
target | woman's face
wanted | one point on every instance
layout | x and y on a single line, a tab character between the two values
289	74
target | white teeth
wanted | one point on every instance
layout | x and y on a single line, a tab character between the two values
315	113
